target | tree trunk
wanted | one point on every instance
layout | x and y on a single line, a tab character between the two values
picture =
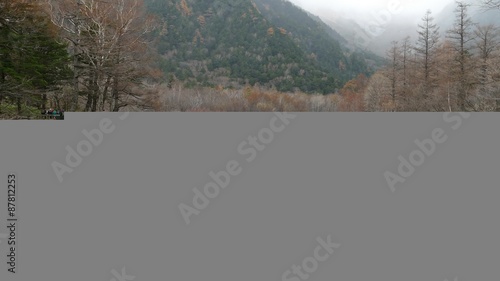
95	94
19	107
44	101
74	101
105	94
89	101
116	106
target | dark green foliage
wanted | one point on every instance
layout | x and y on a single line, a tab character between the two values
32	61
232	39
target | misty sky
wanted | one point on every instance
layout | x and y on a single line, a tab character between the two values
363	6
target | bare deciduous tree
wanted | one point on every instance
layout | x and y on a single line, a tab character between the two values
461	36
394	54
426	46
488	46
490	4
108	46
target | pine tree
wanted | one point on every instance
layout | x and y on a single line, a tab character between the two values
32	62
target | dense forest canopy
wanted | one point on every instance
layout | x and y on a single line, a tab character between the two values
271	42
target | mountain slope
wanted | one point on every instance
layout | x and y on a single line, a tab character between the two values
235	42
478	15
356	27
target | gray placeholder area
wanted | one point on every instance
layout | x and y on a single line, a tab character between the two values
251	196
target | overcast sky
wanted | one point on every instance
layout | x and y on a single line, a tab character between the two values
409	6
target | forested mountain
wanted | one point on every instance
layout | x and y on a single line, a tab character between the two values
267	42
94	55
241	55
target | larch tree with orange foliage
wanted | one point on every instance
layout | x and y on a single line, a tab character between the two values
352	95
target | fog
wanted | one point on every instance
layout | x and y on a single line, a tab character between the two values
410	7
378	22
